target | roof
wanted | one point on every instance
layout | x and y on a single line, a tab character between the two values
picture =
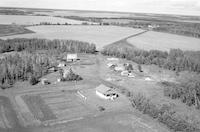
103	89
71	56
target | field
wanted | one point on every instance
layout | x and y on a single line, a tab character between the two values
8	117
83	13
49	108
6	30
30	20
164	41
99	35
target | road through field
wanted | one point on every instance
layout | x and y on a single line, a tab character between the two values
131	36
164	41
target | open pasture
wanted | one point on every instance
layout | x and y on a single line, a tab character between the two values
99	35
30	20
163	41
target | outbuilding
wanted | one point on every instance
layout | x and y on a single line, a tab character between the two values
45	81
72	57
62	64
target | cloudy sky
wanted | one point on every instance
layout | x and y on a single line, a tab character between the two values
186	7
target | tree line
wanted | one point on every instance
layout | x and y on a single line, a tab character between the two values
176	59
21	44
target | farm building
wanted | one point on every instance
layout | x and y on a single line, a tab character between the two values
128	67
71	57
62	64
119	67
127	73
45	81
124	73
52	69
112	59
111	65
106	92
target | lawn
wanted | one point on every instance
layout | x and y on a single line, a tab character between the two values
163	41
30	20
99	35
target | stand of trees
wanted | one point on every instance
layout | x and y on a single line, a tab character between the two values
175	59
187	90
20	44
23	67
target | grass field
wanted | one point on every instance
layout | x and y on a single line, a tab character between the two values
30	20
164	41
99	35
6	30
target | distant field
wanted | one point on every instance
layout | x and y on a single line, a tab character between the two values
84	13
164	41
12	30
99	35
29	20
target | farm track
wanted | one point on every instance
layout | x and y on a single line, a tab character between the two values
124	40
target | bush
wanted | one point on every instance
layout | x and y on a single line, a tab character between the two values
71	77
33	80
101	108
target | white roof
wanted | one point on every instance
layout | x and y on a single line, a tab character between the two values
103	89
112	59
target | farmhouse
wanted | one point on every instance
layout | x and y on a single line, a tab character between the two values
105	92
71	57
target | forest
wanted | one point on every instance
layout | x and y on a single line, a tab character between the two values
176	59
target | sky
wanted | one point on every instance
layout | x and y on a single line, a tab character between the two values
183	7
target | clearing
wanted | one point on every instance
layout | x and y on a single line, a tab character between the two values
163	41
59	106
99	35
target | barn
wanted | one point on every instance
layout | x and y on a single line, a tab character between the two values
105	92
